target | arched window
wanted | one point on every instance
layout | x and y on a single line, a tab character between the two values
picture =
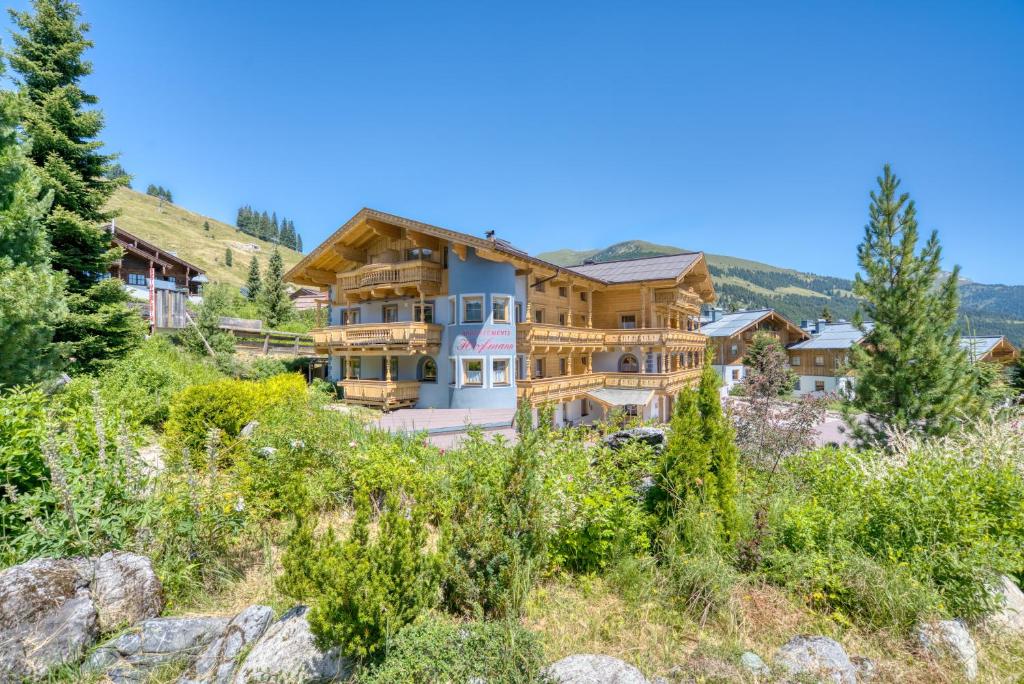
428	370
628	364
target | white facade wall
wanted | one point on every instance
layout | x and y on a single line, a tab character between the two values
808	384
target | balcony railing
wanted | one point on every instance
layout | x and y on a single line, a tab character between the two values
383	394
364	336
686	300
546	335
566	387
389	275
654	337
538	335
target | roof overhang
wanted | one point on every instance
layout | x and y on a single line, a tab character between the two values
610	398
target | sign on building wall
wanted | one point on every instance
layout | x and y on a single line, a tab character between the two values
485	340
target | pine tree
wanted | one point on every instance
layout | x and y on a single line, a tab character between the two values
275	306
206	226
31	292
685	461
253	283
720	438
826	315
228	258
287	234
275	229
298	242
766	359
63	124
910	370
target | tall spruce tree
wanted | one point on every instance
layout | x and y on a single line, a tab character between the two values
63	126
911	372
275	306
720	437
31	293
228	257
253	282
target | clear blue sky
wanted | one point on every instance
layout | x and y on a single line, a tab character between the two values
750	129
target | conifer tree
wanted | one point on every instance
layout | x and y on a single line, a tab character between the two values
685	460
31	292
766	359
275	306
253	283
826	315
298	242
720	438
206	226
911	372
228	258
63	125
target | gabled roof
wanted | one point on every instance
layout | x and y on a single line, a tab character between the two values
978	347
643	268
736	322
133	244
835	336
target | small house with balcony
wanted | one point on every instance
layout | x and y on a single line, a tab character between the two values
821	362
731	335
159	282
990	349
424	316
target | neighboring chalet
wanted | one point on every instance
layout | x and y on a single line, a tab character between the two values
429	317
820	363
159	281
731	334
991	349
306	298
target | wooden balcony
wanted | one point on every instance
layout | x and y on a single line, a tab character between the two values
569	387
689	301
532	336
406	277
655	337
365	337
383	394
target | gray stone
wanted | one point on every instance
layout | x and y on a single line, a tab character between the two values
152	643
1010	616
287	652
648	435
866	668
587	668
216	664
754	664
46	616
250	427
816	656
950	639
125	590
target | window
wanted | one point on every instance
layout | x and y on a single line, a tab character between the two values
584	407
563	291
452	320
352	316
837	361
563	366
419	253
538	368
428	370
472	372
171	279
734	350
630	410
561	318
424	314
627	321
389	313
452	375
735	374
520	371
519	312
794	360
629	364
583	298
473	309
538	315
499	372
819	360
356	366
583	320
499	309
136	279
539	287
819	385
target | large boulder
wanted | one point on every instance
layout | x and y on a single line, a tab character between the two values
134	654
586	668
653	436
47	617
1010	616
125	590
216	664
817	657
287	652
950	639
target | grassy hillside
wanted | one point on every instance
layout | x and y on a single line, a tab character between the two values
741	283
179	230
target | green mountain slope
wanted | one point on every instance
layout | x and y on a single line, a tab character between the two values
181	231
741	283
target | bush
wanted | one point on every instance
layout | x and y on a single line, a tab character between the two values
366	589
226	405
605	523
436	650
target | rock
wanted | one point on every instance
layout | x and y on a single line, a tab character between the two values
950	639
267	451
647	435
125	590
754	664
131	656
216	663
46	616
816	656
587	668
287	652
250	427
1010	617
866	668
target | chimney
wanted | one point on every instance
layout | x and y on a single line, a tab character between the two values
819	325
805	324
588	262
